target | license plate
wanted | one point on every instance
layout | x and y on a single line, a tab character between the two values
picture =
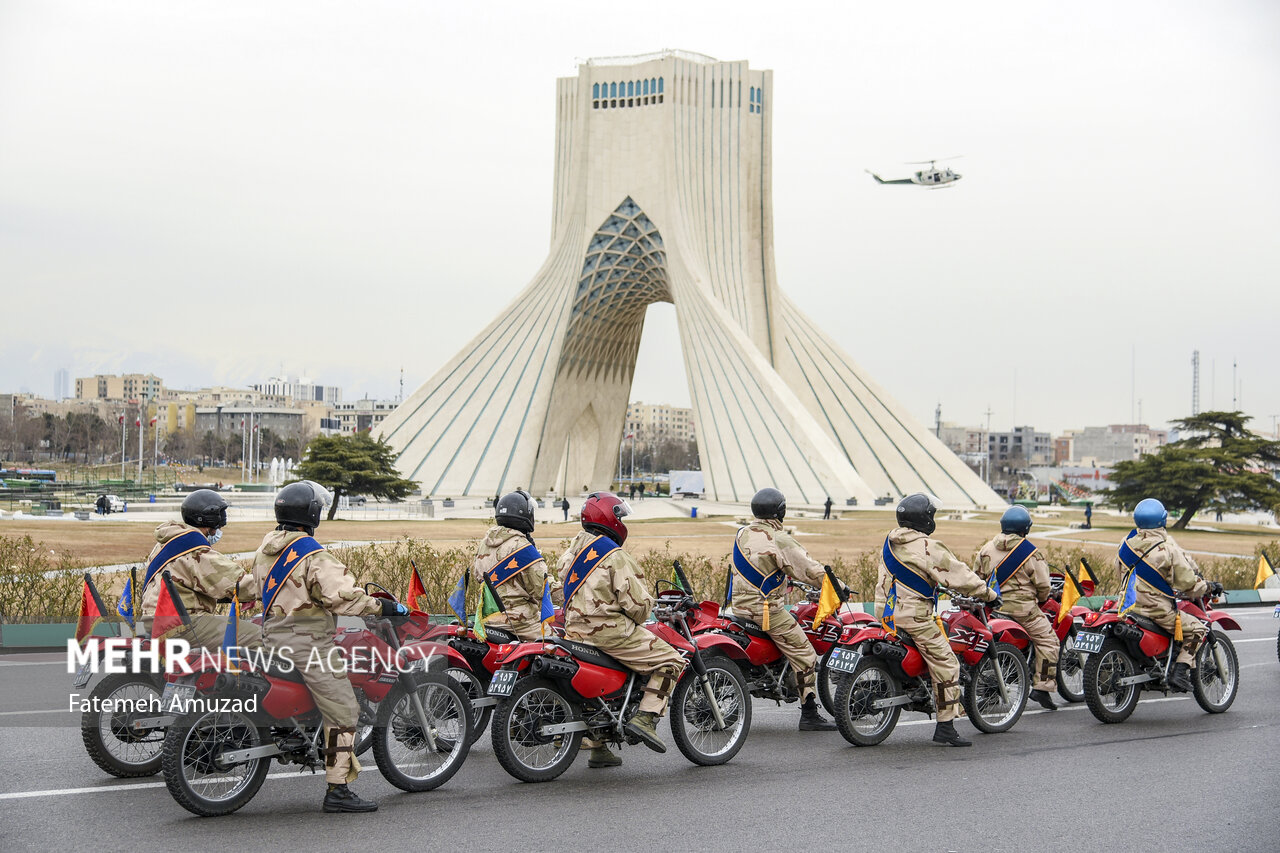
1089	643
843	660
176	697
83	674
504	681
1276	612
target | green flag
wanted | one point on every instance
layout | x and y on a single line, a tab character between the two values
490	606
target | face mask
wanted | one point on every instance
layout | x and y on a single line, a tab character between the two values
217	534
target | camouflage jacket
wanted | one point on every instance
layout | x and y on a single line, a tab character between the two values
1030	583
768	547
521	595
611	603
318	588
201	577
1158	550
932	560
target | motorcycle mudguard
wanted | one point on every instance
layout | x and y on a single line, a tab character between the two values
1079	611
438	655
1222	620
858	633
856	617
1096	620
1008	631
914	664
721	644
591	681
519	653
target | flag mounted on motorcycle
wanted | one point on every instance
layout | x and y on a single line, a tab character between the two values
92	611
458	599
416	587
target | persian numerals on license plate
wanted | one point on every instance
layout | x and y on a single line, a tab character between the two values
1276	612
504	681
843	660
1088	642
176	696
83	674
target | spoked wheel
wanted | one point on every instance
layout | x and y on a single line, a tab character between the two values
418	755
826	695
989	710
693	724
196	773
110	737
1070	669
859	720
1216	679
1108	699
475	688
523	748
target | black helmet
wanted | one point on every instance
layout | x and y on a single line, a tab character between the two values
916	512
769	503
1017	520
301	504
515	510
204	508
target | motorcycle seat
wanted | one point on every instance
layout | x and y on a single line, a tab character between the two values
751	628
590	654
500	635
275	670
1149	624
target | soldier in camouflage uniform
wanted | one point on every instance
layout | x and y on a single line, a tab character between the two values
298	624
1155	547
200	574
606	608
932	565
763	554
508	558
1024	589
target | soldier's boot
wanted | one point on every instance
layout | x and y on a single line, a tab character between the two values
1180	678
811	720
601	756
340	798
644	725
1045	700
946	733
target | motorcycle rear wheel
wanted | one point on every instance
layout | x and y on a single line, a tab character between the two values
1107	700
982	700
826	695
1070	669
195	777
401	749
859	723
475	688
107	737
521	750
1216	692
692	723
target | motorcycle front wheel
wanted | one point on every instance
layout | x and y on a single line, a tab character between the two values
418	755
523	749
859	721
693	725
1216	685
988	710
195	773
1070	669
1108	699
108	733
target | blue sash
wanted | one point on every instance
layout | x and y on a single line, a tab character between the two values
514	565
585	563
288	560
905	576
1012	561
1140	567
765	583
183	543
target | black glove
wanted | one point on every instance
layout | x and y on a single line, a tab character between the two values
996	603
393	611
1215	588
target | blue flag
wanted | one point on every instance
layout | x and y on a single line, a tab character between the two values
125	605
994	583
233	630
548	609
890	602
1130	599
458	599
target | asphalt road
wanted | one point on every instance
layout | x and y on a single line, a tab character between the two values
1171	778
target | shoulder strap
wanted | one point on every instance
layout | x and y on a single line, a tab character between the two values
765	583
585	563
906	576
290	558
1135	563
183	543
1013	561
514	565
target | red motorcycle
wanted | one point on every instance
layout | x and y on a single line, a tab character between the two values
554	693
231	724
880	673
1129	654
1070	661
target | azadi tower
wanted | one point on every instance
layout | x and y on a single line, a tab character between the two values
663	194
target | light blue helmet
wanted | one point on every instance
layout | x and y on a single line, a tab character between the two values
1017	520
1149	514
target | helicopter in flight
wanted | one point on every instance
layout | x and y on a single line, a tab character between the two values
932	177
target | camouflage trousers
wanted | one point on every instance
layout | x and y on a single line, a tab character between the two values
1163	614
1044	667
334	698
914	617
789	637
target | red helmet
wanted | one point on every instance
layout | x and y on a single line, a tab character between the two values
603	513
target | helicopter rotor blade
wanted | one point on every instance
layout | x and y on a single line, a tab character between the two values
931	162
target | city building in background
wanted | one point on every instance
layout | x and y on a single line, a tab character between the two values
1020	446
1116	443
61	384
361	415
128	386
658	422
299	389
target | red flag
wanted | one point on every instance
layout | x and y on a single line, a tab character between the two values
138	422
92	611
171	613
415	587
122	419
153	421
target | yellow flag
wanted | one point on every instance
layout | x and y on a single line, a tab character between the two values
1070	595
828	602
1086	575
1265	570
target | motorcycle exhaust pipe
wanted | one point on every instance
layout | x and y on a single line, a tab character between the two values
889	651
1124	631
553	668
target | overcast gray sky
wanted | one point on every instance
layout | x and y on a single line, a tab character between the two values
216	191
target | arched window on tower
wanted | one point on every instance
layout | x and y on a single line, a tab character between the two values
630	88
659	85
613	90
595	90
646	87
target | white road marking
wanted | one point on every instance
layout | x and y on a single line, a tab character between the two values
1254	640
33	663
33	713
20	795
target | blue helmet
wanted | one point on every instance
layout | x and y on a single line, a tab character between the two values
1017	520
1149	514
